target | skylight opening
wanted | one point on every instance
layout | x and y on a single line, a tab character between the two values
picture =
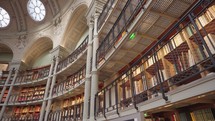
36	10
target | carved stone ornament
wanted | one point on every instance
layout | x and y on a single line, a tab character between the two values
22	41
57	26
58	29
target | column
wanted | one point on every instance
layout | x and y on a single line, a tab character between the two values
94	82
42	111
8	95
6	82
88	76
51	90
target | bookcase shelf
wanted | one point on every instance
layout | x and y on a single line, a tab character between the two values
26	113
72	109
28	94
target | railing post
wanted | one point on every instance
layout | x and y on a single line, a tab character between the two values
116	98
95	107
104	104
132	90
42	111
202	39
159	76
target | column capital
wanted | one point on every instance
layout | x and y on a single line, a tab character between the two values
90	22
96	15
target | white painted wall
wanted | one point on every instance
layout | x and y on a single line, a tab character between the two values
44	59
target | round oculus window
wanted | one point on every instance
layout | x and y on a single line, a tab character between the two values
36	10
4	18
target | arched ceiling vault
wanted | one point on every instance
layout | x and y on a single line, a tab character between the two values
21	22
41	46
75	29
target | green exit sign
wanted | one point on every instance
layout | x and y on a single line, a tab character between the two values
132	36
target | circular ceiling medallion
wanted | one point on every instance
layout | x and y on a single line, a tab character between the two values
4	18
36	10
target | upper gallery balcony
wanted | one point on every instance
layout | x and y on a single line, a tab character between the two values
75	60
139	24
178	67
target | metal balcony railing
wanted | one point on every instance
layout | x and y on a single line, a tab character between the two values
127	15
184	54
30	117
73	56
32	75
71	82
74	112
107	7
27	96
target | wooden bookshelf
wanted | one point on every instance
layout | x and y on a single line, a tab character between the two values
31	94
26	112
73	107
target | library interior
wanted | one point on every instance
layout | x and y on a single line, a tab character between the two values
107	60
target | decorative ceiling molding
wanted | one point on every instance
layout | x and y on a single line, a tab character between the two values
99	5
54	7
22	42
20	19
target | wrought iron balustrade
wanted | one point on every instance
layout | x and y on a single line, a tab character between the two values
69	83
32	75
73	56
107	7
69	113
184	54
127	15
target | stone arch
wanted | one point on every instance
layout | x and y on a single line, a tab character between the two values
38	48
6	55
76	27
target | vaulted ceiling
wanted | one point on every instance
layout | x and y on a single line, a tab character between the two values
76	28
21	22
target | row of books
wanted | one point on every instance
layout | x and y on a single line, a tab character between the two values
28	94
198	115
73	113
185	57
73	101
4	96
183	62
206	17
210	41
202	115
27	109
